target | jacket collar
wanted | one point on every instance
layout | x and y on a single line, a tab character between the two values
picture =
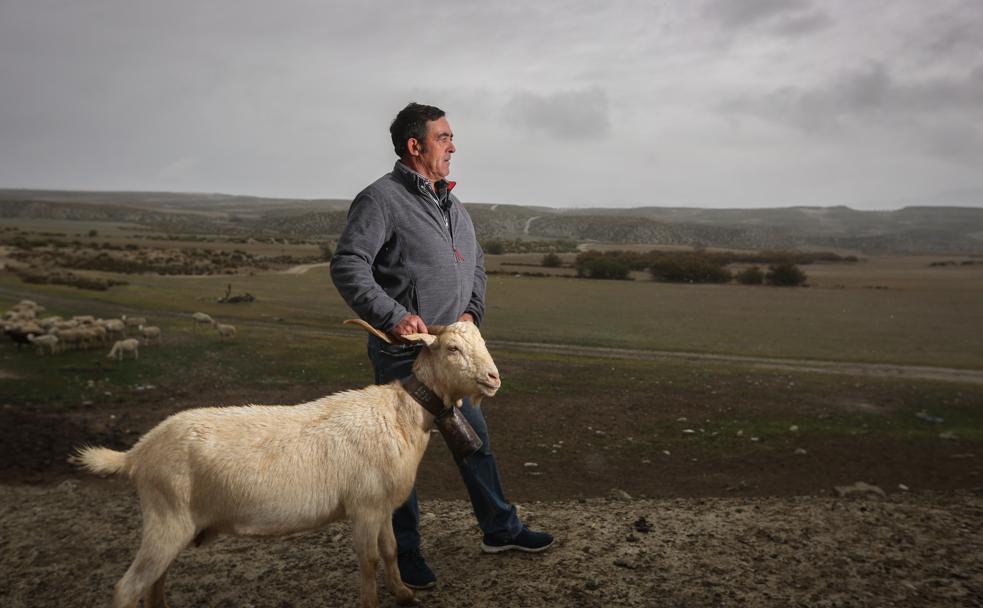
424	186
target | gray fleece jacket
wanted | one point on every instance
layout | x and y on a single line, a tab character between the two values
405	250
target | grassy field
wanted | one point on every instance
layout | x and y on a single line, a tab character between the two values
708	427
885	310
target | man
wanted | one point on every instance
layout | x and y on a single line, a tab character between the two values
409	258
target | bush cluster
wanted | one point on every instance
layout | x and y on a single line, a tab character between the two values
551	260
191	261
785	275
40	277
602	267
687	267
500	246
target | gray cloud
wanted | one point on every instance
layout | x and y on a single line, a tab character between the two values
789	17
939	117
746	12
569	115
870	94
740	102
803	23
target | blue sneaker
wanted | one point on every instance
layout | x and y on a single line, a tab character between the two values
414	571
526	540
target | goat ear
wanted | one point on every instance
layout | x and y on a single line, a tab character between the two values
375	332
436	329
428	339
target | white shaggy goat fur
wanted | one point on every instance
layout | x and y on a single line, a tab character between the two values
273	470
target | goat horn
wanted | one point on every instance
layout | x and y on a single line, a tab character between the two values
375	332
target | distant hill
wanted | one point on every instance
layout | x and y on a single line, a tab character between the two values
909	230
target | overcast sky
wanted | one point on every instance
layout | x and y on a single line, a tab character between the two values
872	104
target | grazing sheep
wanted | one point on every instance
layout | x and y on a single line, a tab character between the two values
150	333
25	308
49	322
100	335
115	327
68	337
225	331
69	324
42	342
201	318
130	345
275	470
20	332
133	322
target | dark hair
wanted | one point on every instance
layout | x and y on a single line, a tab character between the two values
412	122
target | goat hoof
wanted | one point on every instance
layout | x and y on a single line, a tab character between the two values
406	599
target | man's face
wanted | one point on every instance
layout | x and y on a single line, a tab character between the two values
433	156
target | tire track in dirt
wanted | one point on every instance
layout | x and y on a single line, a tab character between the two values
946	374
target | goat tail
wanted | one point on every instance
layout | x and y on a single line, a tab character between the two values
101	461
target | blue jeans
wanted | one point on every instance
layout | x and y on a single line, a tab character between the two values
496	516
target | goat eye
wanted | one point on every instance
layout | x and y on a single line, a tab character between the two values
452	349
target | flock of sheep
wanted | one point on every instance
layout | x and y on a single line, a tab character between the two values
24	324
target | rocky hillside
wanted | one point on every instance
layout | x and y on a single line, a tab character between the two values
909	230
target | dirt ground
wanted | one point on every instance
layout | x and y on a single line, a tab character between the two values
690	529
68	543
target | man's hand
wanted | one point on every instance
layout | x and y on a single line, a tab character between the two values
410	324
466	317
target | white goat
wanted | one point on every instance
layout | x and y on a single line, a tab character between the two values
201	318
130	345
275	470
225	331
150	333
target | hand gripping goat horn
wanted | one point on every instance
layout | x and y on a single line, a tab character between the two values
375	332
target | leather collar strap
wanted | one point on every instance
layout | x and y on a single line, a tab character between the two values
424	396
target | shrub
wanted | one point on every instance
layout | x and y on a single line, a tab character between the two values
689	268
601	267
500	246
750	276
494	247
551	260
785	275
